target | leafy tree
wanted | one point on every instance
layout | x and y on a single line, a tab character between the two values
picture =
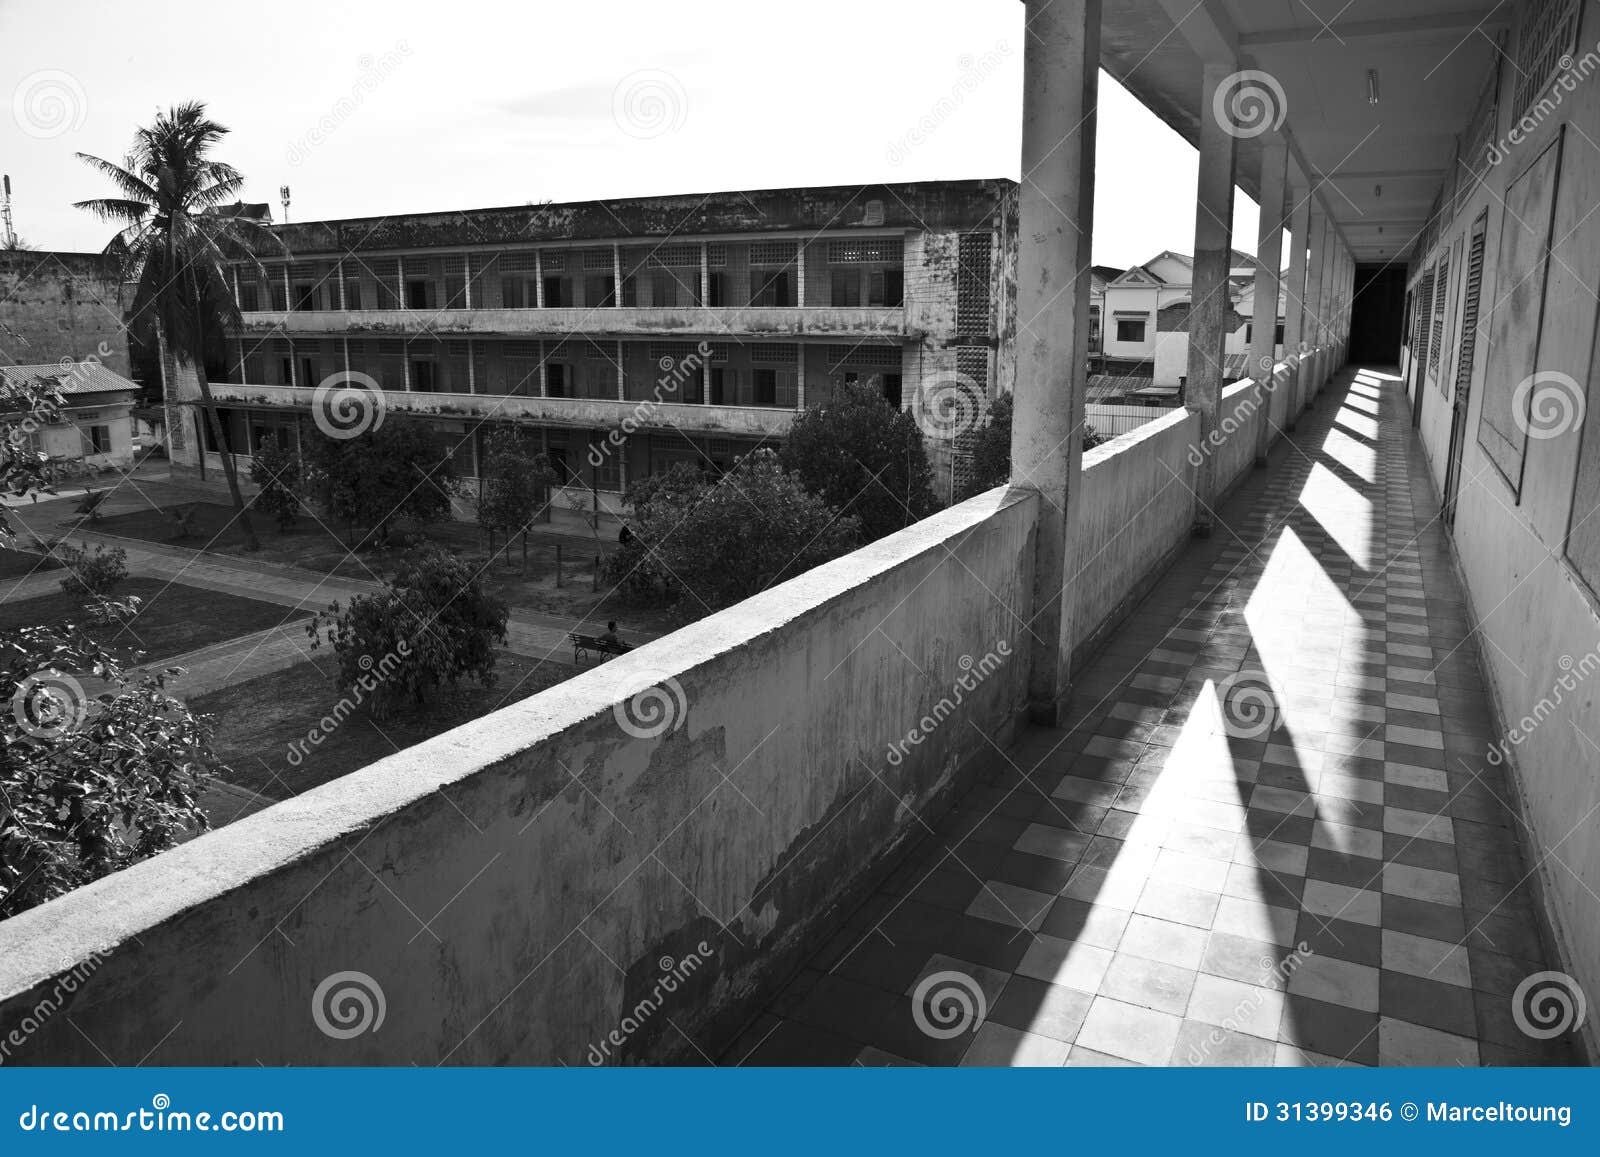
276	472
863	456
87	786
633	568
94	574
516	486
430	625
991	447
711	542
176	249
395	470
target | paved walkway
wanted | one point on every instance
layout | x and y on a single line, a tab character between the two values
1271	836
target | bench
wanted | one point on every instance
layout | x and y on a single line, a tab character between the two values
595	644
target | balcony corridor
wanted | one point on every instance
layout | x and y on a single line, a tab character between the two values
1272	836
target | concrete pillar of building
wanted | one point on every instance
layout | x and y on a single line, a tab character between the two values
800	274
622	376
1264	323
538	278
705	274
1061	67
472	369
1313	325
1294	309
616	283
346	342
466	279
800	374
544	373
400	282
288	290
1208	293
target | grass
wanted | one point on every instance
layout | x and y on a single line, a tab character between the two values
314	547
173	618
256	721
20	564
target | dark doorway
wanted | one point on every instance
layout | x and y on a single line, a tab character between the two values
1377	316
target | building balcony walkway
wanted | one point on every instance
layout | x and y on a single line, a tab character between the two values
1272	834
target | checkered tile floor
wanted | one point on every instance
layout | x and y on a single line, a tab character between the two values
1271	836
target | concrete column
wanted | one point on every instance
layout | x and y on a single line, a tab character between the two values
544	371
288	290
239	351
705	275
1061	68
1310	383
338	271
294	367
466	278
705	377
800	375
472	368
616	283
1264	324
233	275
1294	310
622	375
1208	294
538	278
346	356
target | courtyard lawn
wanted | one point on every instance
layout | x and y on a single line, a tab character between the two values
257	721
173	618
19	564
327	551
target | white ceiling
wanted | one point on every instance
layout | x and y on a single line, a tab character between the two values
1376	168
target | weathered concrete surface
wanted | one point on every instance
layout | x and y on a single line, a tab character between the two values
809	321
517	886
1137	509
583	413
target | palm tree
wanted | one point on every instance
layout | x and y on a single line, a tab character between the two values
175	247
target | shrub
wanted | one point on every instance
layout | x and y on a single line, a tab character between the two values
516	485
398	470
430	625
710	542
96	574
276	472
991	448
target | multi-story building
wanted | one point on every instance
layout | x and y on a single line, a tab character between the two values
630	335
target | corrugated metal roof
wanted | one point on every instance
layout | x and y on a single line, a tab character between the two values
68	378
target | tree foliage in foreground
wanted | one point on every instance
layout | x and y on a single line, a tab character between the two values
88	784
397	470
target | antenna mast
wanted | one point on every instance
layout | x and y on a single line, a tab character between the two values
5	214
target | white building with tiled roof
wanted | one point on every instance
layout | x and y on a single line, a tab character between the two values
94	426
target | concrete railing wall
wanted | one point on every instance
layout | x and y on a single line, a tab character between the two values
1136	509
1239	416
638	854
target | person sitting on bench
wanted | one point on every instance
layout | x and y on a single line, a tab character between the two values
610	635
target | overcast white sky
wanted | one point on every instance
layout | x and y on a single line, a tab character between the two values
483	102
